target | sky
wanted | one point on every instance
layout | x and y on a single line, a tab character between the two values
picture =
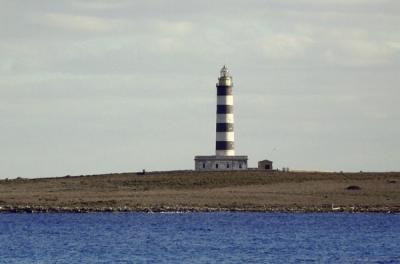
89	87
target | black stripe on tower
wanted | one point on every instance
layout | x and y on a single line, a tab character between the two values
224	109
224	145
224	90
224	127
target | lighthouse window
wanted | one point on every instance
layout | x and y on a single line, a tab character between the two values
216	166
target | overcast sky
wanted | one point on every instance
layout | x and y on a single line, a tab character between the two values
115	86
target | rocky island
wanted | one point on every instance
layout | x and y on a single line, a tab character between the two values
186	191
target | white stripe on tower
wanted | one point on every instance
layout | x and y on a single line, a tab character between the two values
225	138
225	100
224	118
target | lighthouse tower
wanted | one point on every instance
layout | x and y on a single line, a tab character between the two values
225	137
224	158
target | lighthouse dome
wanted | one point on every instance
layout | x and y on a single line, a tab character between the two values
224	72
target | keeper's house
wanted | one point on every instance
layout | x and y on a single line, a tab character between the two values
220	162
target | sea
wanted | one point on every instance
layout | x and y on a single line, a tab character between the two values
218	237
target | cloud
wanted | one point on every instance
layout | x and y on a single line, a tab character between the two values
394	45
361	52
82	23
339	2
175	28
99	5
285	46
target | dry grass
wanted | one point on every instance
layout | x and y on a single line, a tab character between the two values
237	189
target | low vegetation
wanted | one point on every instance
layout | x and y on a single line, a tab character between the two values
250	190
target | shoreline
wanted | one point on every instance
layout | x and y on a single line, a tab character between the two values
178	209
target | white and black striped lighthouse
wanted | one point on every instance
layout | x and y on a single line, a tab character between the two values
224	158
225	137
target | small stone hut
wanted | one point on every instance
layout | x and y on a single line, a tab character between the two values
265	165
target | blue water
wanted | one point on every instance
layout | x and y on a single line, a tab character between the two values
199	238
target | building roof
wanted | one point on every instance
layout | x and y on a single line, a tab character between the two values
214	157
269	161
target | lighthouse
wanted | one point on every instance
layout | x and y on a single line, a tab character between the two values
224	158
225	137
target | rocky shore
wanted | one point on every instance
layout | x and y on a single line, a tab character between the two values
178	209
